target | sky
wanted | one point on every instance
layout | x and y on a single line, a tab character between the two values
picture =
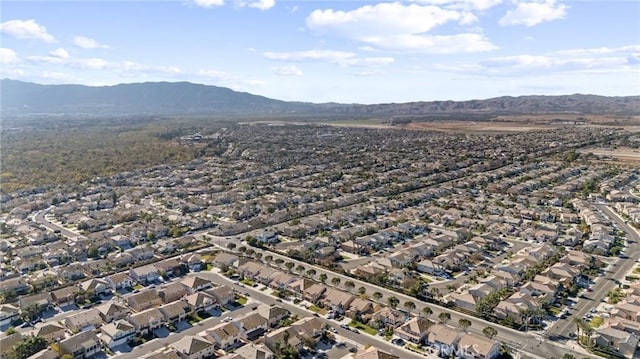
331	51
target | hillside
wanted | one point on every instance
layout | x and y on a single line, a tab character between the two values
165	98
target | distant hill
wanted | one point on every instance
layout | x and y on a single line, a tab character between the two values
172	98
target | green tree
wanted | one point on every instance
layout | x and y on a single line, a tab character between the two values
311	272
289	266
335	281
393	301
444	317
377	295
409	305
362	290
349	284
464	323
92	252
323	277
28	347
489	332
427	311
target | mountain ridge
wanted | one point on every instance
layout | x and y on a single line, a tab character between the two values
186	98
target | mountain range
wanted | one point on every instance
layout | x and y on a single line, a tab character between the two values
185	98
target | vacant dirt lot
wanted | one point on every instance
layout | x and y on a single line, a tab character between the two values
620	154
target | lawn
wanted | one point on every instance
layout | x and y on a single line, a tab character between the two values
248	282
596	322
242	300
367	329
318	310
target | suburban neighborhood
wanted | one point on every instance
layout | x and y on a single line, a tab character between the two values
315	241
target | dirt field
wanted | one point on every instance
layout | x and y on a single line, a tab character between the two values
620	154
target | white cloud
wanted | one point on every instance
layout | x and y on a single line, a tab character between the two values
26	29
600	60
440	44
384	19
88	43
400	27
463	4
57	76
60	53
532	13
290	70
208	3
263	4
8	56
222	78
341	58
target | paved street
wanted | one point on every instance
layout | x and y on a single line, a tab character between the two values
605	283
530	344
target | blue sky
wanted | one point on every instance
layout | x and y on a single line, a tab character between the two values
340	51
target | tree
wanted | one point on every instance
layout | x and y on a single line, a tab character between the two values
568	356
92	252
300	268
427	311
335	281
409	305
279	261
10	330
489	332
311	272
28	347
349	284
268	258
242	249
290	266
464	323
377	295
393	302
323	277
444	317
362	290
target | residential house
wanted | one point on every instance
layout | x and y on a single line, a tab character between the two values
471	346
117	333
620	341
83	320
387	317
273	314
97	286
42	302
337	300
254	351
8	314
171	267
52	332
7	342
252	326
361	309
200	301
443	337
112	311
72	272
226	335
145	274
147	320
172	292
196	283
415	330
223	294
194	347
372	352
14	286
626	310
119	281
144	300
224	259
193	261
464	300
299	286
65	296
314	293
81	346
274	340
175	312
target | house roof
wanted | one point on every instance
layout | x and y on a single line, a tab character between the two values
146	317
441	333
112	329
252	321
254	351
374	353
224	331
82	340
195	282
48	328
477	344
191	344
111	308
